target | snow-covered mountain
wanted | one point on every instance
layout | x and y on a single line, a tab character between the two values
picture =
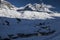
36	7
7	5
34	23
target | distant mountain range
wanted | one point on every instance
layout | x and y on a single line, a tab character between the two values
36	7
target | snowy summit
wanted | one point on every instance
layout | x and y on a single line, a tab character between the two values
36	7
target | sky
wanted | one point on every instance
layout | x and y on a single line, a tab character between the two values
20	3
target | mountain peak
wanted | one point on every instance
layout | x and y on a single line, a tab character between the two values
6	5
29	4
36	7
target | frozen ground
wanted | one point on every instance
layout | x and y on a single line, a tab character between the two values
29	23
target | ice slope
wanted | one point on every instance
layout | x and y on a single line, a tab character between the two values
29	23
9	13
